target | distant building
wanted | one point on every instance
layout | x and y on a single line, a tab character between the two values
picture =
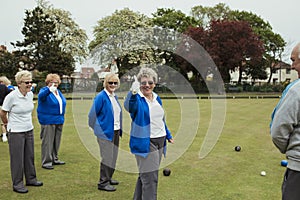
87	72
103	72
282	73
111	68
3	48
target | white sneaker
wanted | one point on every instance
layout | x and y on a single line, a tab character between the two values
4	137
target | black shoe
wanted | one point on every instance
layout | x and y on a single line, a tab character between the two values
107	188
22	190
38	183
114	182
48	167
59	162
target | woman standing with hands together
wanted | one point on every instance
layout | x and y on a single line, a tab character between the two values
149	132
18	104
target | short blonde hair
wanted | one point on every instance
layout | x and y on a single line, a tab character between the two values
19	77
51	77
148	73
110	76
5	80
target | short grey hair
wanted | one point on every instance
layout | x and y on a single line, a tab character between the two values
148	73
19	77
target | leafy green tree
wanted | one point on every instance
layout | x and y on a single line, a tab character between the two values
274	44
204	15
73	38
173	22
172	19
120	21
9	64
41	49
123	37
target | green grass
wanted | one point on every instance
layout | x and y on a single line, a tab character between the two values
223	174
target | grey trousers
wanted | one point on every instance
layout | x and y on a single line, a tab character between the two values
290	185
51	137
146	184
21	150
109	153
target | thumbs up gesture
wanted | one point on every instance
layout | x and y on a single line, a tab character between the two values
135	87
53	88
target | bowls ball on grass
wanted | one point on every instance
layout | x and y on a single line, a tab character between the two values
237	148
263	173
284	163
166	172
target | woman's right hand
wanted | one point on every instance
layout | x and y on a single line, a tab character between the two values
135	87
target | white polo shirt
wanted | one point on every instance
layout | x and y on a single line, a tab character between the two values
19	108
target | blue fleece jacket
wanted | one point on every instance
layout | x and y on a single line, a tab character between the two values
101	117
140	125
48	110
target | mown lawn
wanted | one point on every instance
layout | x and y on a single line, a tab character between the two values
223	174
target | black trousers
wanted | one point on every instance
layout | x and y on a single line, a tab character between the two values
21	150
290	185
109	153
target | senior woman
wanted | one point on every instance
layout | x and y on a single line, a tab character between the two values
51	115
149	132
18	104
105	118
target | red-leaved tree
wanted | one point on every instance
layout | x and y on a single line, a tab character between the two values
232	45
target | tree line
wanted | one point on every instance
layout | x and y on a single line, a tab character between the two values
235	40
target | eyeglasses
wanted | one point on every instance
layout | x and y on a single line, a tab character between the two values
145	83
113	83
27	82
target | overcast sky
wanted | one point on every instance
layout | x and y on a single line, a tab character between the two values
282	15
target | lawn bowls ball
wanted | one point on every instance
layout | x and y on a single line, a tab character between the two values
263	173
237	148
284	163
166	172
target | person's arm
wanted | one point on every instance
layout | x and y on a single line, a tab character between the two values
44	92
4	119
285	119
95	110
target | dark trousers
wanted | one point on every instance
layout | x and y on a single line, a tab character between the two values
109	153
21	149
290	185
146	185
51	137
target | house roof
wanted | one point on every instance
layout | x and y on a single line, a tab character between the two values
282	65
85	70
